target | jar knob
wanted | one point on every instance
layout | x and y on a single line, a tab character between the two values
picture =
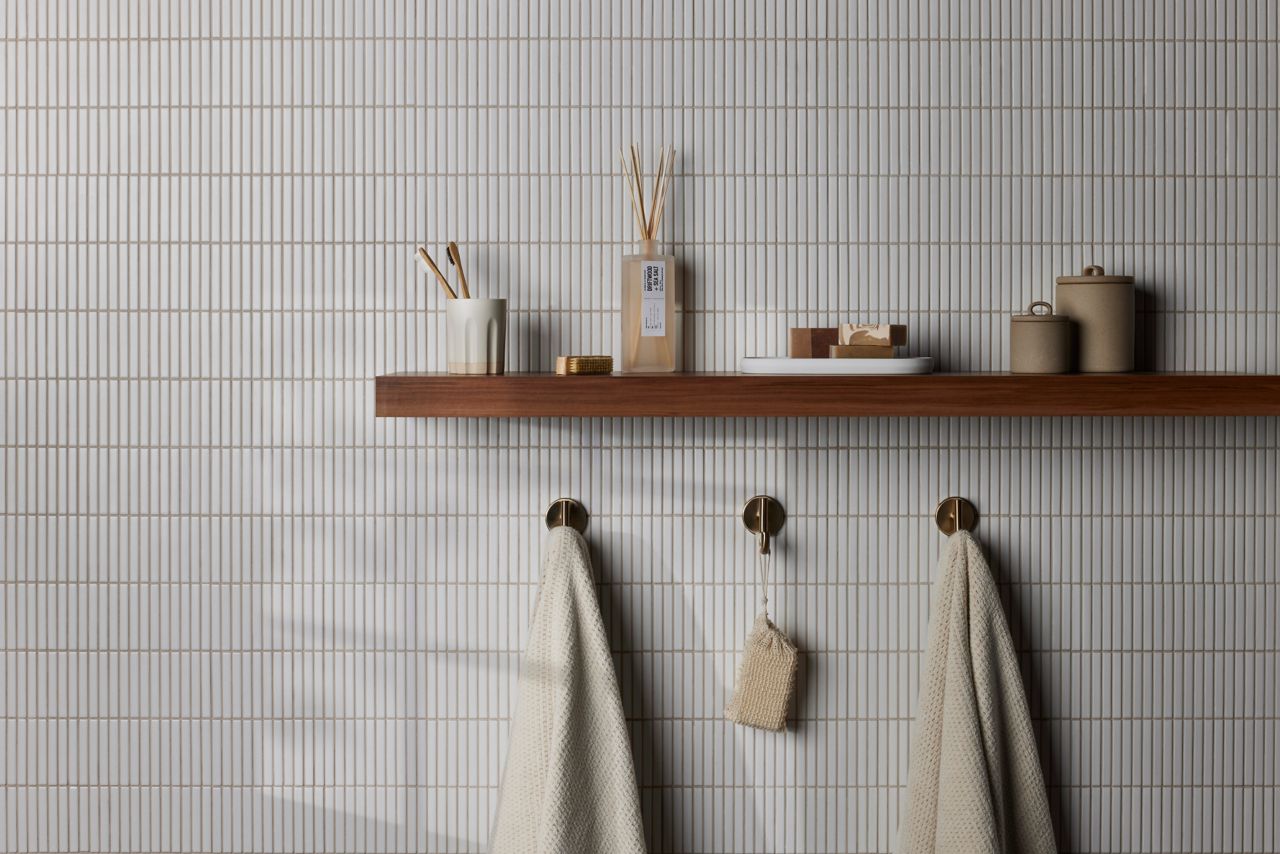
1094	270
1048	309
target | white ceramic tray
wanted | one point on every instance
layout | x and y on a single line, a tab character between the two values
834	367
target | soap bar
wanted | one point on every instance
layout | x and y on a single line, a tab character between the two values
812	342
873	334
860	351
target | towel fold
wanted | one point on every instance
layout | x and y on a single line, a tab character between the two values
974	784
569	786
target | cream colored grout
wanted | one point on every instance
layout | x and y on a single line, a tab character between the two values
851	513
745	241
1001	313
642	39
734	174
708	719
294	106
793	785
894	583
618	654
614	447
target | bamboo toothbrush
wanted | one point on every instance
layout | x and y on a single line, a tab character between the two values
455	259
431	265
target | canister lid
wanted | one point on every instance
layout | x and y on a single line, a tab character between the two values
1047	316
1095	275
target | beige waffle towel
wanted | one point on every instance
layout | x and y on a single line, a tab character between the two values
766	678
569	785
974	785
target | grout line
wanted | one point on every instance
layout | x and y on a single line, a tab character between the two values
1068	514
642	39
790	175
1002	313
446	106
746	242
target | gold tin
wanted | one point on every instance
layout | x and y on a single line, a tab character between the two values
581	365
1039	343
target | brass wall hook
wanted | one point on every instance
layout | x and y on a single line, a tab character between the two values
567	511
763	516
955	514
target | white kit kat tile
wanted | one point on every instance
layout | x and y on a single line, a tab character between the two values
238	613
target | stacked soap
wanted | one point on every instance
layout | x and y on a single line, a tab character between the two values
869	340
848	341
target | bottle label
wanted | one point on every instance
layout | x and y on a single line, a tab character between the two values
653	299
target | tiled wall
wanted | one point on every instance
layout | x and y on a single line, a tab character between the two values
237	613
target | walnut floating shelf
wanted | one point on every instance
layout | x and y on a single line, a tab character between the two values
754	395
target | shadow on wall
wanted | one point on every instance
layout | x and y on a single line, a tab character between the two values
635	687
1033	686
376	820
1148	336
661	717
527	327
332	762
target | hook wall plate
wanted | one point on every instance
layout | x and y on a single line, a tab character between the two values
955	513
567	511
763	516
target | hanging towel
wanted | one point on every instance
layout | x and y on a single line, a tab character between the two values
569	785
974	785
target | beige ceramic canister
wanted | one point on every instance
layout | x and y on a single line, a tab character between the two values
1101	307
475	336
1039	343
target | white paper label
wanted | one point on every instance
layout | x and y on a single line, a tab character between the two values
653	301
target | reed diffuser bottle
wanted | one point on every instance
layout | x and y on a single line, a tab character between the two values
650	288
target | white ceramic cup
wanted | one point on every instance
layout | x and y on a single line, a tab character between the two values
475	336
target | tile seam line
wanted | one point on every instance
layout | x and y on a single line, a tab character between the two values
612	176
619	653
716	719
1216	584
747	786
710	312
609	447
371	379
747	243
427	513
674	108
646	38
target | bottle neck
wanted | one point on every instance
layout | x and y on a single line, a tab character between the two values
648	247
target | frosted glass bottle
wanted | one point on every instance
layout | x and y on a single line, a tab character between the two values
650	311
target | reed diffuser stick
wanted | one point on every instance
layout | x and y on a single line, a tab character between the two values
648	215
634	190
639	174
666	160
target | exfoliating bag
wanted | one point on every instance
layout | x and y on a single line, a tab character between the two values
767	674
766	678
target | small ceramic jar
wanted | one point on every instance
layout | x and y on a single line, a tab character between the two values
1102	308
1039	343
475	336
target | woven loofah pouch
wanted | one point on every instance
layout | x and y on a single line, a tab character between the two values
766	678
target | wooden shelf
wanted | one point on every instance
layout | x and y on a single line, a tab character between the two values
752	395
